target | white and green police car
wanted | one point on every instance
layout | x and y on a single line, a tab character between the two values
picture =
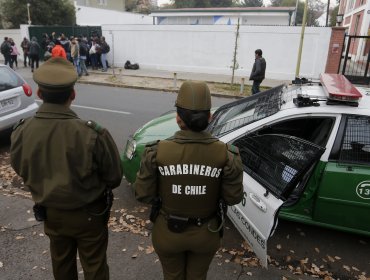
305	151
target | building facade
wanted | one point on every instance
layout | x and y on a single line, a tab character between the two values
225	16
356	20
116	5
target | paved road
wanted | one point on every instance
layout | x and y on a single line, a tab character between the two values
121	110
293	248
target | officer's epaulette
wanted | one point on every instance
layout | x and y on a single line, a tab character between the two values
152	143
99	129
21	121
233	149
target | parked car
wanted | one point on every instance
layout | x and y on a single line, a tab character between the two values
305	151
16	99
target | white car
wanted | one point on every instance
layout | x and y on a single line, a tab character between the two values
16	99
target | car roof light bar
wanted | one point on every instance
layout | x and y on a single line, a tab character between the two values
339	89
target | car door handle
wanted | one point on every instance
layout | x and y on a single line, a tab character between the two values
258	202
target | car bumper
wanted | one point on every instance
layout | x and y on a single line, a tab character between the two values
9	120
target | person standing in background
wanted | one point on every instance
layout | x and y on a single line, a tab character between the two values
75	55
14	54
93	54
84	51
258	71
104	50
25	45
34	53
58	50
6	50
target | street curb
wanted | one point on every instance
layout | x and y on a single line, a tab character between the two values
152	88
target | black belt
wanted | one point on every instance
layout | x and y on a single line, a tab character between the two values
190	220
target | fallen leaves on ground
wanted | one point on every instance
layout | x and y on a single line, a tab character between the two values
123	220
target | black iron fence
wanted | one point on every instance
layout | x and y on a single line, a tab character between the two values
39	31
355	59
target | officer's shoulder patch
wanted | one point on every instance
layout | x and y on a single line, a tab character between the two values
95	126
233	149
19	123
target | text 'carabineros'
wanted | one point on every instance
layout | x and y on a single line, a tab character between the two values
190	169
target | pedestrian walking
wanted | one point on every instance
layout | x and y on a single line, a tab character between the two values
25	45
187	178
258	71
70	167
34	53
6	51
14	54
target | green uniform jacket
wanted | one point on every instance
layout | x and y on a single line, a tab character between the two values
190	172
66	162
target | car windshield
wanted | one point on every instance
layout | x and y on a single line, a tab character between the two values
236	114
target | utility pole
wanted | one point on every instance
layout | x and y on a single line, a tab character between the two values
327	14
28	12
301	41
295	13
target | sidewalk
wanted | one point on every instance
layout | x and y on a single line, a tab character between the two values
163	80
24	254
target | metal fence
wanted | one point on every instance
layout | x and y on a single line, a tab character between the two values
355	61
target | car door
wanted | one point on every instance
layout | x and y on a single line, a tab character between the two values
343	199
273	166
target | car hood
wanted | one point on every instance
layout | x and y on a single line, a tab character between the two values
157	129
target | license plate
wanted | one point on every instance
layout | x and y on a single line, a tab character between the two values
4	104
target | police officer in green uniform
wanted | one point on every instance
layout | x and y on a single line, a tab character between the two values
189	173
69	166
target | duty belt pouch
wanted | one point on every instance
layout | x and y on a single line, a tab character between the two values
40	212
177	224
154	211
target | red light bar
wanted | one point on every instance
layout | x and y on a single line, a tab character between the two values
339	88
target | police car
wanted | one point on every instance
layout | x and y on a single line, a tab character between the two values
305	150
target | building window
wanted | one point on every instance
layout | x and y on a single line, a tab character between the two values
350	5
356	24
103	2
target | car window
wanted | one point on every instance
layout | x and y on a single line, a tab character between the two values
355	146
315	129
8	79
276	161
236	114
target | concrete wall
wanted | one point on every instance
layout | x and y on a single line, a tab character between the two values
94	16
209	49
11	33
